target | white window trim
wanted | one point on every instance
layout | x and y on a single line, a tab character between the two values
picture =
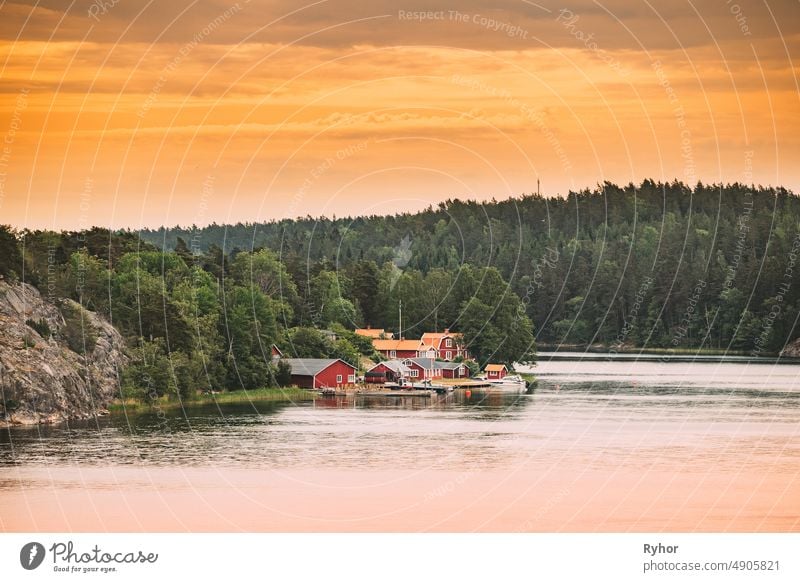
392	354
414	373
351	378
338	378
448	343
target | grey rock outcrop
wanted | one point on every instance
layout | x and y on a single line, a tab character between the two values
41	378
791	350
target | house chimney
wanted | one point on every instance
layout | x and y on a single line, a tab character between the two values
447	330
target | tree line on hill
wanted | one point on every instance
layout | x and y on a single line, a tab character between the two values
661	265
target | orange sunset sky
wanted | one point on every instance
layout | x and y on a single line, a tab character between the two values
129	113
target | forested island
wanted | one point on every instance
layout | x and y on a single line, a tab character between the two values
656	265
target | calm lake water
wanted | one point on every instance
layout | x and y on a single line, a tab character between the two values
599	446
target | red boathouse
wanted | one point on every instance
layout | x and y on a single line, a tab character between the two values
321	372
496	371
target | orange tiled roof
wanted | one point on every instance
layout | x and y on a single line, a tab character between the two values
435	338
495	367
397	345
373	333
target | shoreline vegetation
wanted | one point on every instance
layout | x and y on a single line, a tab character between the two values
289	394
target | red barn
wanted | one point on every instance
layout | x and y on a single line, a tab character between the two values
496	371
321	372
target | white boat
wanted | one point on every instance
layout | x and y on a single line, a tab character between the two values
405	384
510	383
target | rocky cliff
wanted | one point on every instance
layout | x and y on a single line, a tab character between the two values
57	362
791	350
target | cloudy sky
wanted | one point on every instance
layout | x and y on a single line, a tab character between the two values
127	113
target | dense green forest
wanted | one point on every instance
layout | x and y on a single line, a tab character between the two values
656	265
208	319
653	265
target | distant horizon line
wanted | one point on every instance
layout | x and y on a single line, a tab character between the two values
514	197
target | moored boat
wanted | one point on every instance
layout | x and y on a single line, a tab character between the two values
404	384
510	383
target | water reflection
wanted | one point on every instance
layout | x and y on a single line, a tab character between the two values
567	418
359	433
458	399
581	453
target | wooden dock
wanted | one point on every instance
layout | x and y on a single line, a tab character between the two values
415	392
464	385
378	393
397	394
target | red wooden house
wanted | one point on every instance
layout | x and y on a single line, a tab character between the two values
496	371
422	368
448	346
321	372
399	349
452	369
416	371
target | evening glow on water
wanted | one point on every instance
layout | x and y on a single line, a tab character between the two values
622	451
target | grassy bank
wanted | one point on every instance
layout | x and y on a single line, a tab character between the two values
259	395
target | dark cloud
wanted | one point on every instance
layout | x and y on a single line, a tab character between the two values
506	25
